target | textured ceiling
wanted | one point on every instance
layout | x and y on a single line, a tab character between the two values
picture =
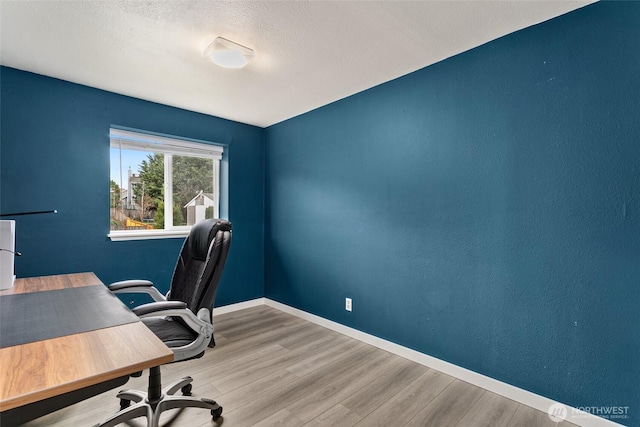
308	53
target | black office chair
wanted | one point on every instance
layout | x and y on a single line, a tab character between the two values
172	319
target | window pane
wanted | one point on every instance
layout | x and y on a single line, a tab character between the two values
192	186
136	196
160	182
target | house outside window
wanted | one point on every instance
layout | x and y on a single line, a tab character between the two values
161	186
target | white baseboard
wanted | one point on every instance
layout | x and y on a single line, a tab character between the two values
238	306
519	395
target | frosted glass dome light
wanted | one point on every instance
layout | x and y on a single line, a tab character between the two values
228	54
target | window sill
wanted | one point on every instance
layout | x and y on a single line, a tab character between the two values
120	236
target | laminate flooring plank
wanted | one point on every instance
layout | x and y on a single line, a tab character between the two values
254	371
526	416
214	365
177	418
220	340
491	410
266	405
241	316
384	387
282	418
292	342
401	408
241	331
254	320
338	416
88	412
362	390
269	334
323	398
219	371
239	348
449	407
338	347
266	386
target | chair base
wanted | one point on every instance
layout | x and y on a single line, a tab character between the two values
151	404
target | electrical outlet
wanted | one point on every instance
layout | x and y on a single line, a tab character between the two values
347	304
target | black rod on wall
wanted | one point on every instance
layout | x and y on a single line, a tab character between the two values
54	211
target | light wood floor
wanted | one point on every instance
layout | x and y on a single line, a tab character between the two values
273	369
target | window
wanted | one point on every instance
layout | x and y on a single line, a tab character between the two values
161	186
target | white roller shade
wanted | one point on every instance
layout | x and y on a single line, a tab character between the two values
129	140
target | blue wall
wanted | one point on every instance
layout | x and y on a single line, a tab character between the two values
55	155
484	210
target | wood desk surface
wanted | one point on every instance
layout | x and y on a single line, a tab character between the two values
38	370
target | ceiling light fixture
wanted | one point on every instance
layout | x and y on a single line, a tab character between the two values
228	54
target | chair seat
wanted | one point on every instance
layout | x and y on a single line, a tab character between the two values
172	332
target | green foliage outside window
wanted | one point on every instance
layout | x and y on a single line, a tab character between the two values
190	176
208	213
159	218
115	195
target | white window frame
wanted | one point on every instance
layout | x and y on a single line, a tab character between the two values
131	140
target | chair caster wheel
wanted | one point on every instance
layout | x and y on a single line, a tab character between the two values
186	390
216	413
124	404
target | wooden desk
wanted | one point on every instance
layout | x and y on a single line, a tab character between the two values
41	370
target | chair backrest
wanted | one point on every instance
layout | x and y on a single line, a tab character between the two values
200	264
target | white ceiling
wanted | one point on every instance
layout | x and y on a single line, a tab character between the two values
308	53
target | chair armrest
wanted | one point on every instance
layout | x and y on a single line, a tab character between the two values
175	309
157	308
136	287
129	283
